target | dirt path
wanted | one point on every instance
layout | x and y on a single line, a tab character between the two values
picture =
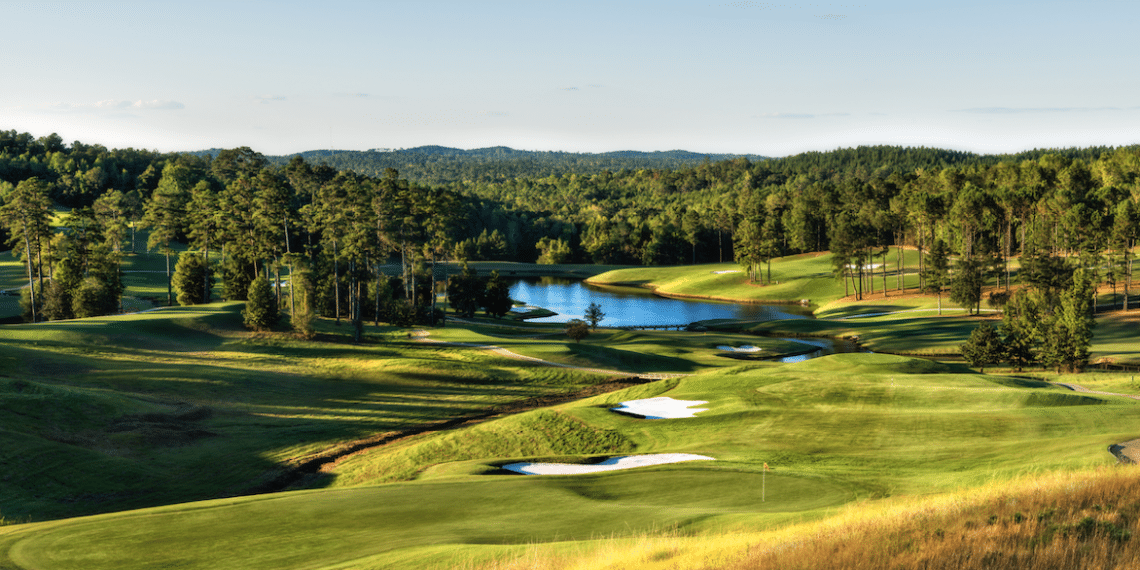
422	336
1127	452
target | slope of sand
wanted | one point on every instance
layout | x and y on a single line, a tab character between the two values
661	408
611	464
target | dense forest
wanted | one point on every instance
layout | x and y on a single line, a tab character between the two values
437	165
1058	210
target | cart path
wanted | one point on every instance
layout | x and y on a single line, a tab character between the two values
1127	452
1083	390
422	336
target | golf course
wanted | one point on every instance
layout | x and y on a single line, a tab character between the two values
177	438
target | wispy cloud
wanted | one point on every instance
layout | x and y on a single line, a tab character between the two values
267	99
568	88
493	113
120	105
1015	110
347	94
801	115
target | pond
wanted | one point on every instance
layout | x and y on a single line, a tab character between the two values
631	306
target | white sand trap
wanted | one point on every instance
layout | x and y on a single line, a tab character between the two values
727	271
611	464
745	348
661	408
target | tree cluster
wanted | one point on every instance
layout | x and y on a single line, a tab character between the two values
1050	327
467	293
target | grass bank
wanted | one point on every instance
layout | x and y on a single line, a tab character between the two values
865	430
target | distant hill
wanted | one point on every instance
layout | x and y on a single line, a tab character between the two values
443	165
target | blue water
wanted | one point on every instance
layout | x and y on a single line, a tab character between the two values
626	306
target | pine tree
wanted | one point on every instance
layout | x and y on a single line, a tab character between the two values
937	270
465	292
25	214
193	279
498	301
260	312
984	347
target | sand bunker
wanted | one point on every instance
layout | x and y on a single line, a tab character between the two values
661	408
727	271
745	348
611	464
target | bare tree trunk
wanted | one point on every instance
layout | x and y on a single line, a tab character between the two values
336	282
31	280
376	321
1128	273
206	289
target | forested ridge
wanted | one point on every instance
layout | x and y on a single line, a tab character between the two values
437	165
1058	210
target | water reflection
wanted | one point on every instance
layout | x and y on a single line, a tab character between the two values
823	346
630	306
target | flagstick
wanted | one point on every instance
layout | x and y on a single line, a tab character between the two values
764	485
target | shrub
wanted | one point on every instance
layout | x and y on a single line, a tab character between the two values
261	307
191	278
577	329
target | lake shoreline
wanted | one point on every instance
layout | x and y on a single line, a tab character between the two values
683	296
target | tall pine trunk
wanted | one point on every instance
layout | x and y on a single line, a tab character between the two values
169	281
336	282
31	279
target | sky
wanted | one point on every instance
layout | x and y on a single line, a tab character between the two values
742	77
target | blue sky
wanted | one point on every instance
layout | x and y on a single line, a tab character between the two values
714	76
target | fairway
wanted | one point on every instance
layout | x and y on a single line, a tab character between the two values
170	412
327	528
849	427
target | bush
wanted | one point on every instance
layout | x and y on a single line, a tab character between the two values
261	307
577	329
94	297
191	278
303	316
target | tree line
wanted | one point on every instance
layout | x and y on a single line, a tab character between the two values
364	241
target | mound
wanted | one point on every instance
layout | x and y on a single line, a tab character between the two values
872	363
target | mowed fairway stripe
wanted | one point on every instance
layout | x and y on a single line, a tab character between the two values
321	528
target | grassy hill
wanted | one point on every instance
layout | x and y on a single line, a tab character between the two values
182	404
793	279
858	429
175	438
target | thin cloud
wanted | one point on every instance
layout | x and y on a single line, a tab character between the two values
1016	110
266	99
493	113
568	88
120	105
801	115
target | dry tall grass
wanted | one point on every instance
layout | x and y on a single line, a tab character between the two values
1087	520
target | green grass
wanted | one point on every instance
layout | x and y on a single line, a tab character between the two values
159	410
119	439
836	429
807	276
632	351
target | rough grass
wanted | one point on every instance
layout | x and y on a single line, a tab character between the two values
95	410
856	427
1082	519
